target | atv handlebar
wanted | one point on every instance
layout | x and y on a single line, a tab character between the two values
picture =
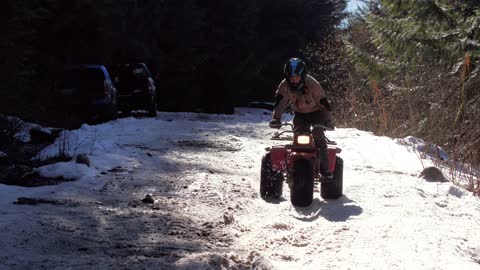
324	127
276	135
287	124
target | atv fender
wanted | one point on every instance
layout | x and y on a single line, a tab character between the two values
278	155
332	156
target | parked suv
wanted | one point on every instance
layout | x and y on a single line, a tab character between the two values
86	90
136	89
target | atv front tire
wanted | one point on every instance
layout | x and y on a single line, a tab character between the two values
334	189
301	193
271	182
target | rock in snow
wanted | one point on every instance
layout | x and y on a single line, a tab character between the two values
148	199
83	159
433	174
228	218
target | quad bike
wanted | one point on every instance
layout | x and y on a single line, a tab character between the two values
298	163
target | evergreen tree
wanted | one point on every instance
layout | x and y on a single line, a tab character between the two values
420	59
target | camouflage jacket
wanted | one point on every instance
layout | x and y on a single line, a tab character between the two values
307	102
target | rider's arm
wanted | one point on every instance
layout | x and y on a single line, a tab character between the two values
281	101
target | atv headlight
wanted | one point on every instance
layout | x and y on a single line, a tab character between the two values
303	139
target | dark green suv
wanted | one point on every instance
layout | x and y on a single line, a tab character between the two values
135	86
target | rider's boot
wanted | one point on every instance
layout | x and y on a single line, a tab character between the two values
324	167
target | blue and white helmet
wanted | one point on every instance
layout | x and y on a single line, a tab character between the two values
295	67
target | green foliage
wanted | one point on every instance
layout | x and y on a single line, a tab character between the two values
415	71
425	31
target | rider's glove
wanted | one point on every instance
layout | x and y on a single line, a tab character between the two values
275	123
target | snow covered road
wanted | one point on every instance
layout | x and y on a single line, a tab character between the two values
203	173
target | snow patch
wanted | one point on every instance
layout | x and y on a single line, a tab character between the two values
24	129
232	138
66	170
428	149
8	194
24	134
207	261
457	191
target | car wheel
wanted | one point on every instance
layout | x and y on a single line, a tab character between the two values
111	112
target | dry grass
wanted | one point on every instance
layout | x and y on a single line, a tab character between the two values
432	104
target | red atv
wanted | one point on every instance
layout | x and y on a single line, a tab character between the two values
298	163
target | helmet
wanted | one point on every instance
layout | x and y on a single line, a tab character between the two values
295	67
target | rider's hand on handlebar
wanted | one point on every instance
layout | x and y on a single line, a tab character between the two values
275	123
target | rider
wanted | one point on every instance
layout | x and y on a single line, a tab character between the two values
310	105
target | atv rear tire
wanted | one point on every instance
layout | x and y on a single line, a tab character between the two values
271	182
334	188
301	193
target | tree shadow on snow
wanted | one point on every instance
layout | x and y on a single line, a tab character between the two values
333	210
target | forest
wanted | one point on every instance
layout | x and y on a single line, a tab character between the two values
395	67
205	56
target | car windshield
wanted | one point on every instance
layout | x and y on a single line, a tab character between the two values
81	78
127	73
139	73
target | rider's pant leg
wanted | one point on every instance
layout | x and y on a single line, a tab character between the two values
301	122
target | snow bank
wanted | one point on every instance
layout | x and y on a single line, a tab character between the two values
427	149
66	170
23	134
